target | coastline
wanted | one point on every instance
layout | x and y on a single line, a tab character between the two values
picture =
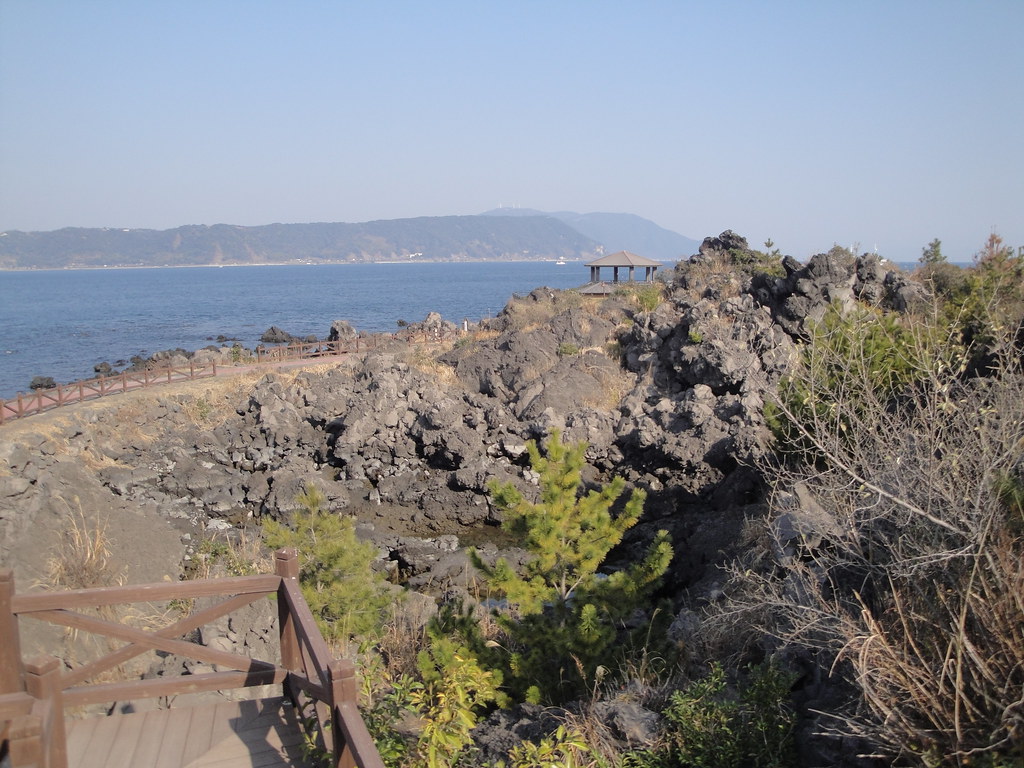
62	322
86	268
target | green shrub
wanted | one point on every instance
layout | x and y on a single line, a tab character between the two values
567	349
564	615
853	363
649	296
709	726
565	748
993	306
345	595
454	690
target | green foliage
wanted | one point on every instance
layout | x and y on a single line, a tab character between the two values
709	726
994	303
854	362
648	296
203	408
948	281
1009	488
613	349
565	748
563	613
932	254
567	349
384	712
345	595
454	689
695	336
446	696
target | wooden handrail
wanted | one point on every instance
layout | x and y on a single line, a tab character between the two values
33	707
14	704
143	593
98	693
65	394
177	629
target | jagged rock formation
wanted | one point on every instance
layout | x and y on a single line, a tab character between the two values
672	399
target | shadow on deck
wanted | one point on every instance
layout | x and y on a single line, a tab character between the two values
316	709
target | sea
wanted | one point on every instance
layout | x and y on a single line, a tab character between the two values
61	323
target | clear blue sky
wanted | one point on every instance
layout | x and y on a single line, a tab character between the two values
883	124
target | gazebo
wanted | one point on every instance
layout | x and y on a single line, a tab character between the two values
623	259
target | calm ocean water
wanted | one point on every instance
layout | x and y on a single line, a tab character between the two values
62	323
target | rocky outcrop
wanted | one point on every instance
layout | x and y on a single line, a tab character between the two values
408	442
274	335
342	330
836	277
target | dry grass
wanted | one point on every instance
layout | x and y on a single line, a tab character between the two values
131	421
404	636
910	580
527	314
482	335
426	360
82	558
242	553
614	385
717	273
96	460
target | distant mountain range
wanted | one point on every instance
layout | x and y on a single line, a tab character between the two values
619	232
504	234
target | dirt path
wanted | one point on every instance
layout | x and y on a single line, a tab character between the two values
73	402
74	406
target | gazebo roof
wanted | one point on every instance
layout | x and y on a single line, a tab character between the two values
624	259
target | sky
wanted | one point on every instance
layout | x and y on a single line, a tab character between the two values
875	125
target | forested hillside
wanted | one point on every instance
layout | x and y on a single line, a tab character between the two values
441	238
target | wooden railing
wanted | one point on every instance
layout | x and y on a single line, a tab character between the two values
64	394
33	694
312	349
302	350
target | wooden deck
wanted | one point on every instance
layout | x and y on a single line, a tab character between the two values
261	733
35	733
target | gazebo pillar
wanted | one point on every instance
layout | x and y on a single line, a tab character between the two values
615	274
631	273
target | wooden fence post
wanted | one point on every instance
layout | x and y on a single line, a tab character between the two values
24	738
286	565
342	682
12	678
42	681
